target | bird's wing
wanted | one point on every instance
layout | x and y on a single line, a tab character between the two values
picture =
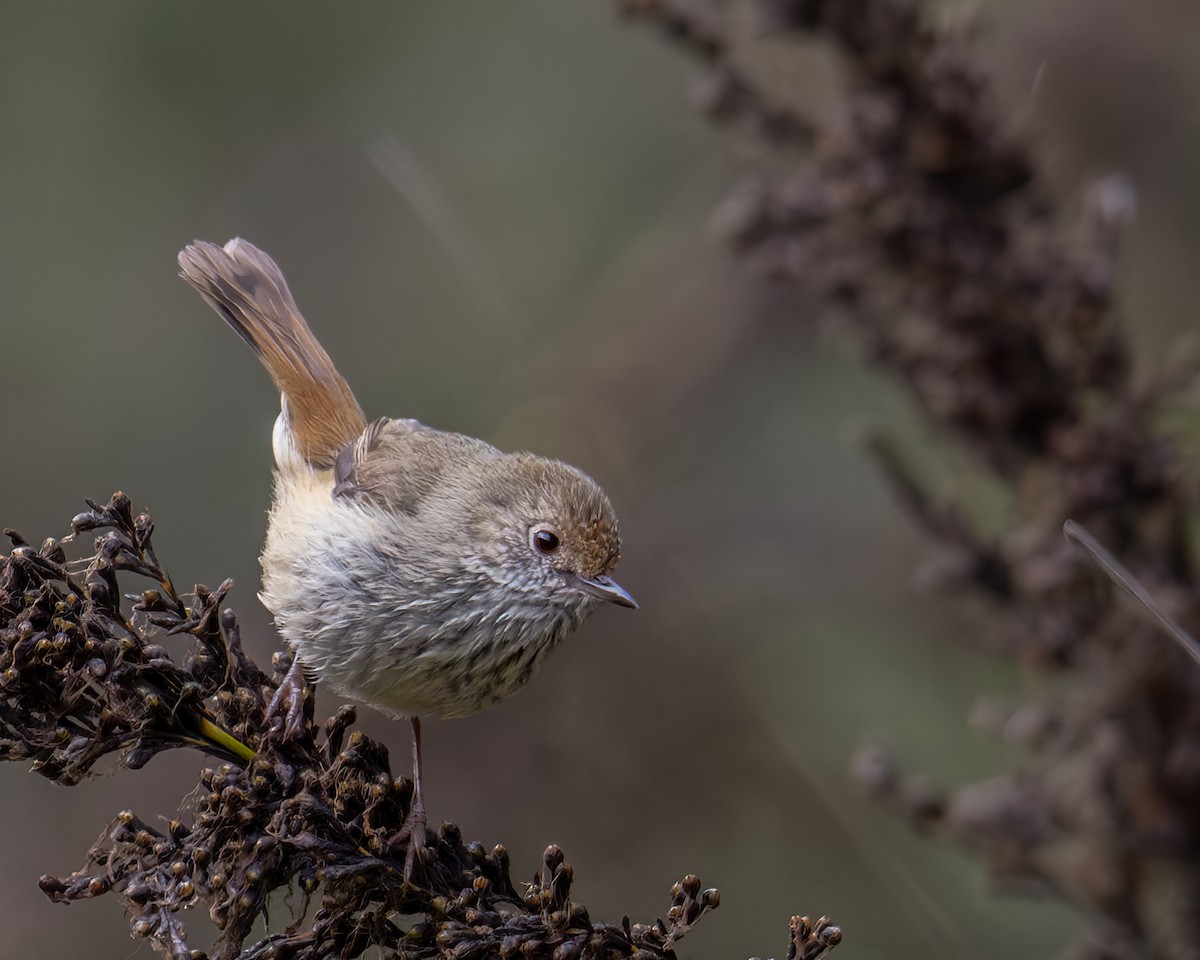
398	464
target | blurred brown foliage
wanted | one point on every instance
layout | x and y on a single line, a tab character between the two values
921	216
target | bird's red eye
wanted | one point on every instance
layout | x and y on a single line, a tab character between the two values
545	541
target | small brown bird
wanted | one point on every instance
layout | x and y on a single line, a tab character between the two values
422	572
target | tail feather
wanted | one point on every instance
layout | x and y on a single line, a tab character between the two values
245	286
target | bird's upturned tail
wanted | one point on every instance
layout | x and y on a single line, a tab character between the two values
244	285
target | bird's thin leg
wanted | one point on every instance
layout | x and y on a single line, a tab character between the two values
289	701
414	822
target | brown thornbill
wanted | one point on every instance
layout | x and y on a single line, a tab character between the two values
423	572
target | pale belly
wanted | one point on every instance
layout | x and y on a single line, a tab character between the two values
380	628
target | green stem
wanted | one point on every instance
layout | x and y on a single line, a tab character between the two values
225	740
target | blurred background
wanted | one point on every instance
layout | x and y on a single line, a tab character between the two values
496	217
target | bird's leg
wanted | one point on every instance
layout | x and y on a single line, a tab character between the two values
414	822
289	701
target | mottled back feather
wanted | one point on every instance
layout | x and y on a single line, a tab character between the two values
398	463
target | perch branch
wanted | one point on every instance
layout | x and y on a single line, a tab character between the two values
85	672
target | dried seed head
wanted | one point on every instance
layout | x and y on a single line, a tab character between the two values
309	815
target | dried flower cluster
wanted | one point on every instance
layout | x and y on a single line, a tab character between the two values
920	215
81	679
319	817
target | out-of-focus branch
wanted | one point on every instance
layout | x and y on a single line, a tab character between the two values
727	95
920	217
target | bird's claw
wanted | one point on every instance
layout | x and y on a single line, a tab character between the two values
288	702
413	834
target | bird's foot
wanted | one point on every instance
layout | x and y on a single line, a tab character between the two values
288	702
414	832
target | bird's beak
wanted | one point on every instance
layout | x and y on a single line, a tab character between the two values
607	589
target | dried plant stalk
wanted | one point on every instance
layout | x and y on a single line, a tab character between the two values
85	672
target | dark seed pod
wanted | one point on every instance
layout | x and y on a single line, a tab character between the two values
560	885
82	522
568	951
